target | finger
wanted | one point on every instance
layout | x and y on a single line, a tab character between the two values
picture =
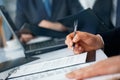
81	49
22	38
70	75
78	49
68	43
69	39
26	37
25	40
80	36
75	49
77	37
80	73
77	74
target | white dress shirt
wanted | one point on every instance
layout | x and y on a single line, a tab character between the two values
89	4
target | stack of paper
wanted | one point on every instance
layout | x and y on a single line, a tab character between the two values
48	67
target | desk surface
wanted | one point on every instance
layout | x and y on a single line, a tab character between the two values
57	54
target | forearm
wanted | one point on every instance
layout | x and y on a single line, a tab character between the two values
45	24
52	25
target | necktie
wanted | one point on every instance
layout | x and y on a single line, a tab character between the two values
118	14
48	7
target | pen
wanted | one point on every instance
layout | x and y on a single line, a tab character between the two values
75	29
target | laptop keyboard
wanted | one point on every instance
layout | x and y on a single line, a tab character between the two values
44	44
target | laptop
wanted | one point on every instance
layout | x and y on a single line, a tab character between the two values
33	48
12	53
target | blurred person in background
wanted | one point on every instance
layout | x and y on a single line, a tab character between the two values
104	9
44	13
1	2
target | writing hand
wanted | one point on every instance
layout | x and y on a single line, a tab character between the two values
83	42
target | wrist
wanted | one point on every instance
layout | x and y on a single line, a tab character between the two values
100	41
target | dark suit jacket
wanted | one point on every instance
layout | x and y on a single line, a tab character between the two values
112	42
103	9
33	11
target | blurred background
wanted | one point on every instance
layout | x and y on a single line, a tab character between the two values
10	6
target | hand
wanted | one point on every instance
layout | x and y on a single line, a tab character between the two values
83	42
52	25
26	37
108	66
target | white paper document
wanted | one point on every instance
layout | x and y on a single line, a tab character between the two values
57	74
48	68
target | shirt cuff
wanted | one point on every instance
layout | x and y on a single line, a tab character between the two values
101	38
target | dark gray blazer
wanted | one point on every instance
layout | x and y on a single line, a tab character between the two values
112	42
33	11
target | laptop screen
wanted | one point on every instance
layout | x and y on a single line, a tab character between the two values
10	44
